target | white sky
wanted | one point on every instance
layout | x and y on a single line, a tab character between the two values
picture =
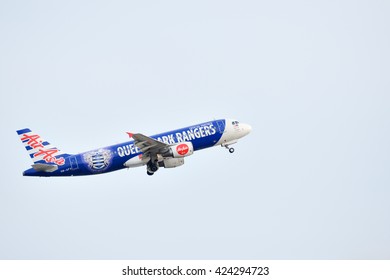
310	182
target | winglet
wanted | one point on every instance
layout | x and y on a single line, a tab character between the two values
130	134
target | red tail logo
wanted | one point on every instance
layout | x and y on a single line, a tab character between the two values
182	149
49	156
33	141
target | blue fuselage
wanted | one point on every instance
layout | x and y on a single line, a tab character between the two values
114	157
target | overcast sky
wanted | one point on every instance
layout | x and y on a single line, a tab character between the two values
311	181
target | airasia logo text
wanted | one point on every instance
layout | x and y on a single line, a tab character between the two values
182	149
35	142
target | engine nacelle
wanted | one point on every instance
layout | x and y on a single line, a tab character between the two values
171	162
180	150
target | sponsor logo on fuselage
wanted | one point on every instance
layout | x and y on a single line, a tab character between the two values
193	133
49	155
98	160
189	134
127	150
182	149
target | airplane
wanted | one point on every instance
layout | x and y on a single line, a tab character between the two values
166	150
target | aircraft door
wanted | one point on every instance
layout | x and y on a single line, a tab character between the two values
73	163
221	127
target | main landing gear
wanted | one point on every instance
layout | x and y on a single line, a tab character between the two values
151	168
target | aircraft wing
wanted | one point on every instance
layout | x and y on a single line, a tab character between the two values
149	146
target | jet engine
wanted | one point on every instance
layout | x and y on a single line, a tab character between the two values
171	162
179	150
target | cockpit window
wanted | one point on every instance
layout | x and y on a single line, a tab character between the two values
235	123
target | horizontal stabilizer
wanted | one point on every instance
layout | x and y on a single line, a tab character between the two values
45	167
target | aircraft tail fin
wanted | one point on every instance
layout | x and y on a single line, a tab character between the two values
40	151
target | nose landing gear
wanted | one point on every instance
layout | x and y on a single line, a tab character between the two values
231	150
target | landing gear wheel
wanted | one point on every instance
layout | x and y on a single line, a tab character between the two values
153	168
150	173
231	150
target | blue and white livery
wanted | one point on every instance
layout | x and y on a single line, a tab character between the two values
162	150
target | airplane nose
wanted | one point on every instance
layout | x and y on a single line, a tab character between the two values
247	129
